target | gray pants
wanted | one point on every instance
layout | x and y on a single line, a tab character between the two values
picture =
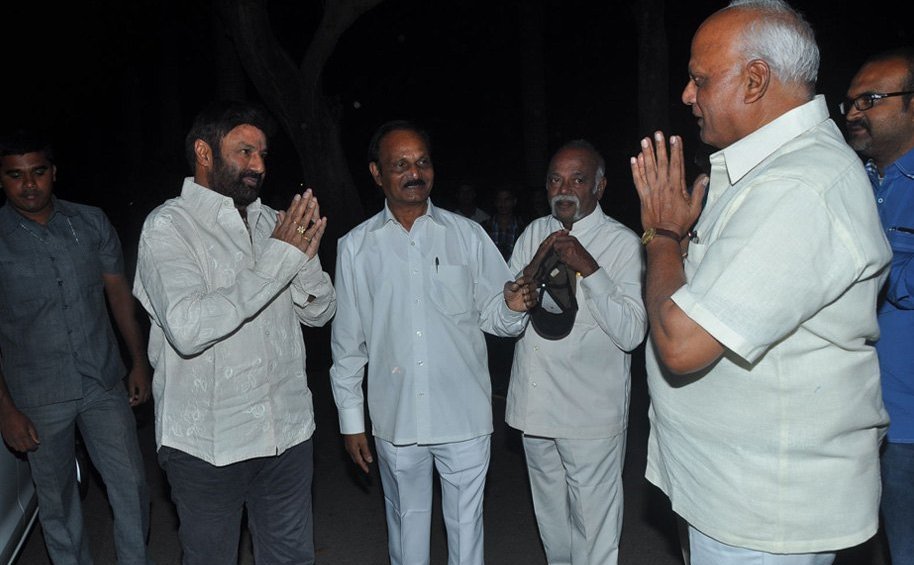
108	429
211	500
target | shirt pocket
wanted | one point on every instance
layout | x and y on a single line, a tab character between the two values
901	240
451	289
21	281
696	253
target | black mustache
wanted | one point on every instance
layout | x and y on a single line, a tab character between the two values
252	174
415	182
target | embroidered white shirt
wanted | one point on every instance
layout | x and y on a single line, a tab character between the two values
226	306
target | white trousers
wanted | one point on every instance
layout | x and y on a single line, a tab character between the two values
577	496
406	477
705	550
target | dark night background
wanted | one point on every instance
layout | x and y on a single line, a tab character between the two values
96	75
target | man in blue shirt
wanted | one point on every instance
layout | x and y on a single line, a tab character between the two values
61	363
880	126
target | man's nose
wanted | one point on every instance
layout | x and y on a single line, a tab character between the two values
257	163
688	93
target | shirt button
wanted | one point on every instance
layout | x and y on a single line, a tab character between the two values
879	200
415	271
419	333
536	348
420	363
413	243
533	384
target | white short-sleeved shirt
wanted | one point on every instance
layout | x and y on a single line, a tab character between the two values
775	446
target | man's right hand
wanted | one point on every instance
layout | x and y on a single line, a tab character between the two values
357	446
301	225
531	269
17	430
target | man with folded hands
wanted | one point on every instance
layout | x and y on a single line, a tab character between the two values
569	387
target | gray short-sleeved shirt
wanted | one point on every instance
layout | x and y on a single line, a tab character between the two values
54	323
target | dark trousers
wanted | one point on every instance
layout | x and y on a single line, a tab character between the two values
898	500
210	500
108	429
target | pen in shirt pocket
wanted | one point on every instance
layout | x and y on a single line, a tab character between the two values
436	264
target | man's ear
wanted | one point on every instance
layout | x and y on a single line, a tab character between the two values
375	172
601	186
758	78
203	153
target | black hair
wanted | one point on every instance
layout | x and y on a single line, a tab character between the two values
391	126
23	141
215	121
906	55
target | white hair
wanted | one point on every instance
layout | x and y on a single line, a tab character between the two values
781	37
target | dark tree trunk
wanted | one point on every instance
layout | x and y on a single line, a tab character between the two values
294	95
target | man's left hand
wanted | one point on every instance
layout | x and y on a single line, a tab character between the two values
573	254
661	185
138	381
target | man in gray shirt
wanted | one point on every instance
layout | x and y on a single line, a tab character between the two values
61	361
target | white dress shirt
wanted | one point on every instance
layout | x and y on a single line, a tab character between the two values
775	446
412	305
226	306
578	387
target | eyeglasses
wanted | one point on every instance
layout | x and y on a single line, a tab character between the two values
865	101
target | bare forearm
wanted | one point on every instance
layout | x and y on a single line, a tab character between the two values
682	344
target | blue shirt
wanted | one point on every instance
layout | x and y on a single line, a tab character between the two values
895	200
54	323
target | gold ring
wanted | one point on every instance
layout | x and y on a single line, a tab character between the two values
301	230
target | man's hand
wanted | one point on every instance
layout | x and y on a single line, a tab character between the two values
661	185
520	295
534	265
357	447
138	381
17	430
573	254
301	225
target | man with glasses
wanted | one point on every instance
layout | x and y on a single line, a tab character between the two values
880	126
766	414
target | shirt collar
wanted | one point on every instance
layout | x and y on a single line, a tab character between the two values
209	201
905	164
431	212
10	218
745	154
582	225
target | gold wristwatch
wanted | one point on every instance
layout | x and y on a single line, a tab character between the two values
651	233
